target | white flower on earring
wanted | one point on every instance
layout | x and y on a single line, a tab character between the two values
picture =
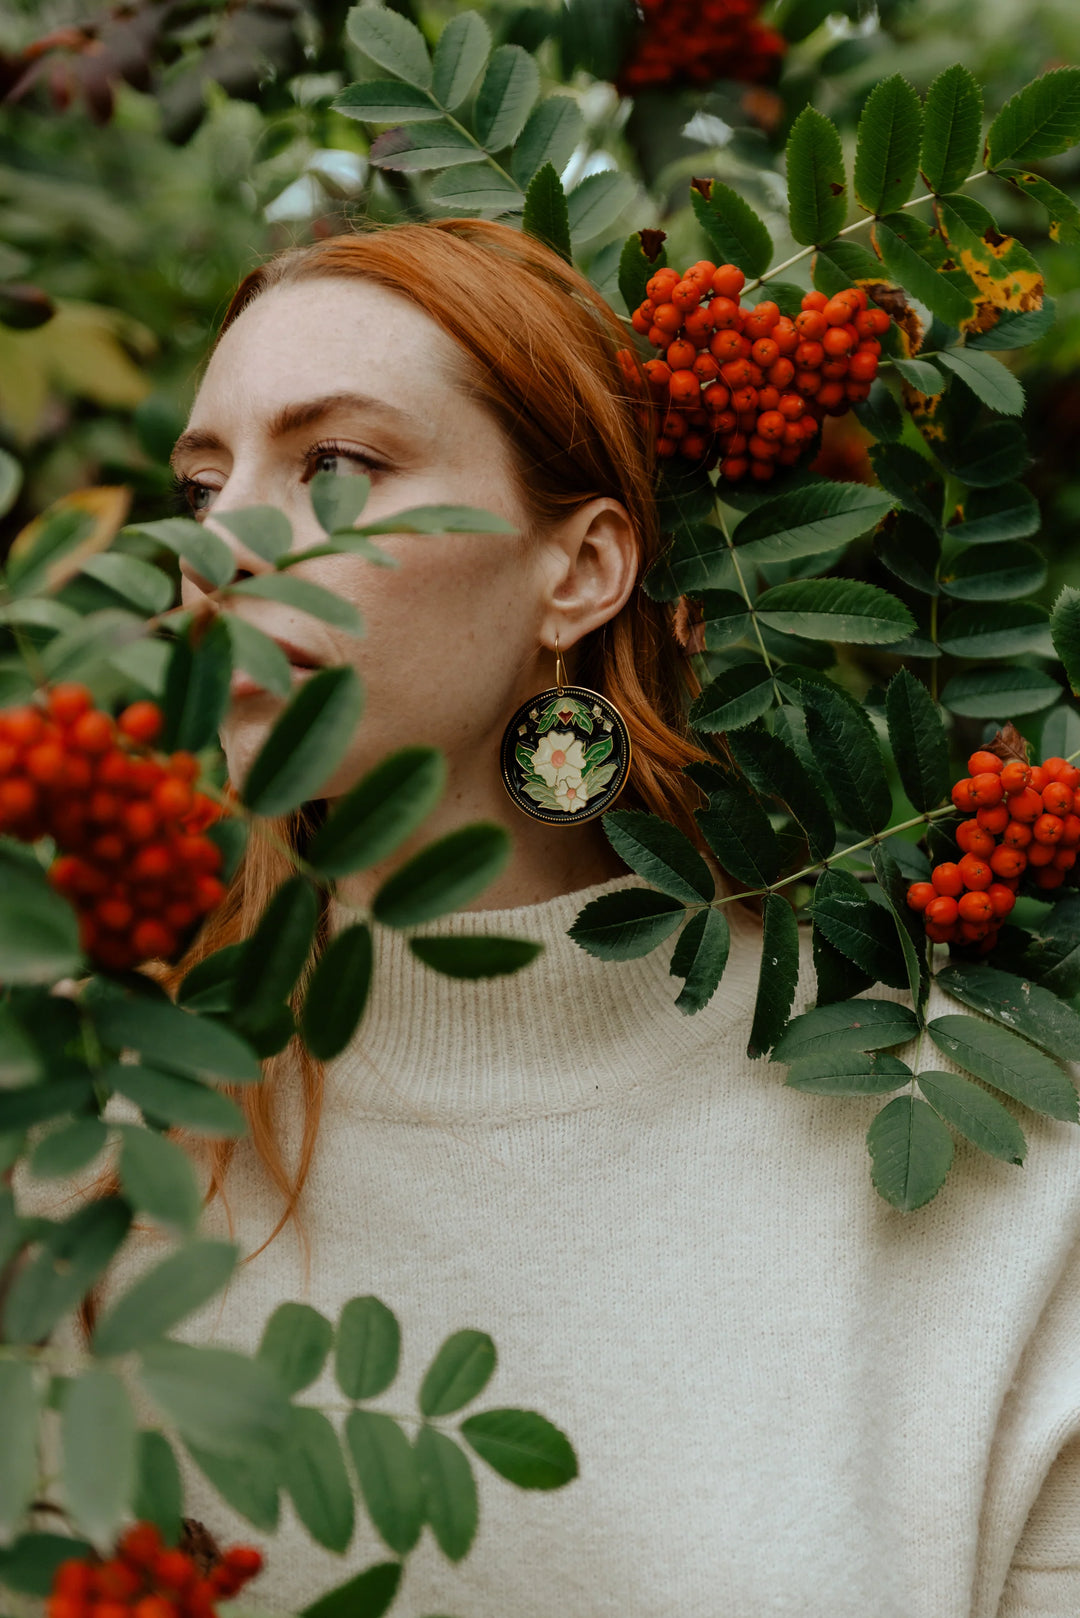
559	757
571	794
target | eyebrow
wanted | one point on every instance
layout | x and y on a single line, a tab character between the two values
291	417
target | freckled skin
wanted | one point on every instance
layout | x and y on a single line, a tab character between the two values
459	634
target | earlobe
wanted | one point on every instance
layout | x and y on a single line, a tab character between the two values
599	566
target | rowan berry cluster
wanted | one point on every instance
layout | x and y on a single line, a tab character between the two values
699	41
1024	820
146	1579
749	387
128	828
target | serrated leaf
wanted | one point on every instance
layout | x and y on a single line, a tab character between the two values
420	148
994	629
987	378
846	746
636	270
838	978
523	1447
314	1476
778	975
992	456
386	1466
808	522
911	1152
596	202
368	1348
917	737
736	232
307	742
661	853
941	296
996	572
506	96
1008	1062
337	994
920	374
1017	1003
546	216
700	956
459	56
386	101
860	929
736	697
295	1342
847	1025
1016	328
444	876
846	1073
1001	694
775	770
1065	630
1064	214
619	926
817	181
159	1299
952	123
553	131
979	1117
1039	121
474	188
835	610
741	835
460	1371
392	41
887	145
97	1429
450	1503
913	944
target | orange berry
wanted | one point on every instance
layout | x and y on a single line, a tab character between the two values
151	863
68	701
140	1543
920	894
993	820
684	387
92	733
947	879
1008	862
1037	778
975	872
1049	877
973	838
154	1606
982	763
963	796
940	935
185	766
209	891
1014	775
141	721
659	286
1017	834
45	763
728	280
116	1580
151	939
863	366
1048	829
838	340
1026	805
942	911
1070	834
1041	853
1070	777
74	1579
24	726
1001	898
986	788
1057	798
1064	859
975	907
18	798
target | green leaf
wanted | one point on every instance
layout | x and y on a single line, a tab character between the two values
546	216
1002	693
177	1039
295	1342
475	188
842	263
306	744
1064	214
994	629
735	698
631	922
726	620
197	689
162	1297
1065	630
817	181
733	228
436	145
1018	328
522	1447
881	414
778	976
39	935
272	959
596	203
368	1595
952	123
774	769
506	96
19	1409
837	610
171	1100
206	551
894	887
1008	1062
262	529
846	1073
258	655
659	852
157	1177
97	1430
338	501
460	54
374	817
917	737
220	1401
979	1117
808	522
159	1490
849	1025
314	1476
911	1152
440	519
389	1476
386	101
71	1258
740	834
1039	121
920	374
987	378
859	928
887	145
71	1147
10	481
700	956
450	1503
459	1372
368	1348
941	296
249	1484
483	956
444	876
391	41
845	745
996	572
337	993
30	1564
1017	1003
553	131
146	588
992	456
330	607
636	270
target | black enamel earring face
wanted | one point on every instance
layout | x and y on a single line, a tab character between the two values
566	755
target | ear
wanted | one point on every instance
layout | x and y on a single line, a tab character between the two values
594	559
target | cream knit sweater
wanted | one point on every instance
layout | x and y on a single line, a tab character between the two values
785	1396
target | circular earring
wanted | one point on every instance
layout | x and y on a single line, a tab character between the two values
565	753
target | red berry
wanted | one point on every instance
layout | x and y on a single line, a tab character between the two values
92	732
68	701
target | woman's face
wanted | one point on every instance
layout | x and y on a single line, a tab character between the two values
452	635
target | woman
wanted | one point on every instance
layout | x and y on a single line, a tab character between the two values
785	1397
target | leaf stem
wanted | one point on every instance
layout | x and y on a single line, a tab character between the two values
744	591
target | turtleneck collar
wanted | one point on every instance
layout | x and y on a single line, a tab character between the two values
558	1036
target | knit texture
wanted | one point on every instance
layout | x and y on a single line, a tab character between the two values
785	1396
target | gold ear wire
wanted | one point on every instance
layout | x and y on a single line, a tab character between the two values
560	670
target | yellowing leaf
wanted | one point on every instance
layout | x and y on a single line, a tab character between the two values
107	505
1006	275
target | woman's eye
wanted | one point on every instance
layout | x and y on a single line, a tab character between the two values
326	460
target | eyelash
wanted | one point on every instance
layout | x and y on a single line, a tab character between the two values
183	485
